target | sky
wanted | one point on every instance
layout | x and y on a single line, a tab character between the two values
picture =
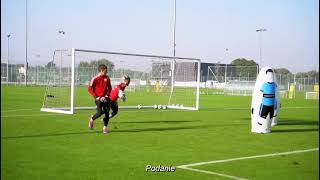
204	29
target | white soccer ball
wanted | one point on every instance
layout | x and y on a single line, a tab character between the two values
164	107
139	106
159	106
155	106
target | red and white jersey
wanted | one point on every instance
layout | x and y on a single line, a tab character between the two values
114	95
100	86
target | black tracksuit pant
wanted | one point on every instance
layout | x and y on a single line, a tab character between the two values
102	108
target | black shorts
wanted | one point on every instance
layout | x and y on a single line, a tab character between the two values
265	110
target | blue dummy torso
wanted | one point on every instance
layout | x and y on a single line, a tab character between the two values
268	90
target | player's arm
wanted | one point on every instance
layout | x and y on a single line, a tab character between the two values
109	87
91	88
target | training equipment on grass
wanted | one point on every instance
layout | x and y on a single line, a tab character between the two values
159	80
265	100
314	94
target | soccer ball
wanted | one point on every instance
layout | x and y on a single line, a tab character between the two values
139	106
159	106
164	107
155	106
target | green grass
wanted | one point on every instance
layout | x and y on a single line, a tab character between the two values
40	145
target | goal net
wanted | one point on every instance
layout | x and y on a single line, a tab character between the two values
231	79
156	81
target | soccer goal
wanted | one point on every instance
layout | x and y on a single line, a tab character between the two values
230	79
156	81
312	95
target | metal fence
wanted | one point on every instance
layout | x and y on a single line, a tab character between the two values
14	74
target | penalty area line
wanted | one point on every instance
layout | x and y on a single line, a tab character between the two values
213	173
187	166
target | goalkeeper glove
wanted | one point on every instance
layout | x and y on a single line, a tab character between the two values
124	98
101	99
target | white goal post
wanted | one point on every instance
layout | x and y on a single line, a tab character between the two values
157	82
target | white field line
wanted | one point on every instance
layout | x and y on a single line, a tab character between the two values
13	110
45	114
235	108
247	157
25	115
139	111
214	173
307	107
187	166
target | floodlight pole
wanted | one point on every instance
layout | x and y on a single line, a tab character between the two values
260	44
225	70
26	63
174	29
8	59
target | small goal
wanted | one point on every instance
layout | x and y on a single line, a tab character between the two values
156	81
312	95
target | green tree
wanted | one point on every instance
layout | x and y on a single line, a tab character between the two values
243	62
244	68
96	63
306	74
282	71
50	64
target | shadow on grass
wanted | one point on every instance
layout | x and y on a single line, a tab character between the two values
123	131
224	109
293	130
298	122
151	122
290	122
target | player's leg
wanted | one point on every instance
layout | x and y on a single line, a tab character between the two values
96	115
264	111
114	107
271	112
99	110
106	107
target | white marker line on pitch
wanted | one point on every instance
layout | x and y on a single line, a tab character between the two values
12	110
20	115
187	166
312	107
248	157
214	173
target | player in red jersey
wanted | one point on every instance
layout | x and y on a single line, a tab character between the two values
100	88
118	92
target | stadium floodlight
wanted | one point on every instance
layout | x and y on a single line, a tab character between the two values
151	80
260	44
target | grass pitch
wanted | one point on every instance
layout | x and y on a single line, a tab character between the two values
40	145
